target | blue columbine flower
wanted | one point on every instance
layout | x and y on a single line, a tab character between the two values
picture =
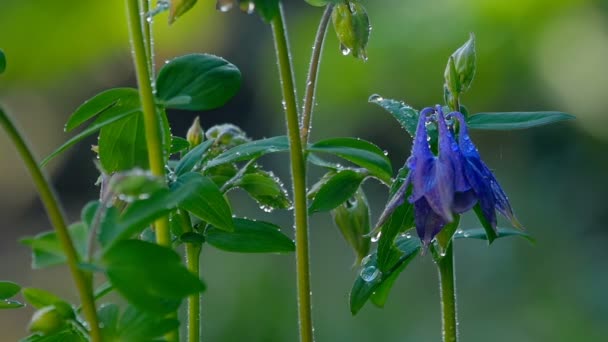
448	183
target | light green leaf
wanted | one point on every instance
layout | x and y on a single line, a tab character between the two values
46	249
112	100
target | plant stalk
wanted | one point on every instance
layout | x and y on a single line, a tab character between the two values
193	253
152	121
313	73
298	177
57	217
449	322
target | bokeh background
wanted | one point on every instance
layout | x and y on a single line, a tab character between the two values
532	55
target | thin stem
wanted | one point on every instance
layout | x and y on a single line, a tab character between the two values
298	177
151	119
57	218
313	73
193	253
449	323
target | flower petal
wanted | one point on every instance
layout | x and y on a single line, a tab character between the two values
428	222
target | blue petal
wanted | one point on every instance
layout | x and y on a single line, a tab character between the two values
428	222
396	201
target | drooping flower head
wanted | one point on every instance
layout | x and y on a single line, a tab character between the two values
450	182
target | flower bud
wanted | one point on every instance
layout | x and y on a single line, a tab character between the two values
178	7
47	321
460	69
195	135
353	220
352	28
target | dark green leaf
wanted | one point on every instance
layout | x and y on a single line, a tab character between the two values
250	237
359	152
46	249
267	9
115	100
336	190
108	321
371	279
198	81
122	145
265	188
189	161
68	334
205	200
515	120
8	289
2	62
401	219
192	237
136	325
251	150
178	145
480	234
444	238
489	230
404	114
149	276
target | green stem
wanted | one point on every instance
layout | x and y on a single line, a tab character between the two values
298	176
152	121
57	218
449	323
313	73
193	253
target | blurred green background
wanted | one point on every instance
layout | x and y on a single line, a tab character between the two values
532	55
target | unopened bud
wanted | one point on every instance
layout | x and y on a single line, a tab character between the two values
352	27
353	220
195	135
178	7
47	321
460	71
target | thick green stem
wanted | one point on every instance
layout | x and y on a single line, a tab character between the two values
298	177
449	322
313	73
152	121
57	218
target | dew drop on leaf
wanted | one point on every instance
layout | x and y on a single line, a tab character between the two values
369	273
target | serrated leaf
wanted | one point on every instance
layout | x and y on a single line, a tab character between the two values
265	188
480	234
46	249
515	120
250	237
359	152
134	269
251	150
112	100
209	82
189	161
336	190
371	279
205	201
403	113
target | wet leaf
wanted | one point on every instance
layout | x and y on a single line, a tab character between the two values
515	120
250	236
251	150
266	188
335	190
46	249
189	161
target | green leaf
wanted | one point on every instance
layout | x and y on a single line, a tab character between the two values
403	113
515	120
205	200
108	117
209	82
336	190
39	298
489	230
251	150
2	62
8	289
267	9
178	145
353	220
117	99
122	145
10	304
250	237
46	249
266	189
178	7
135	183
189	161
149	276
371	279
480	234
133	324
359	152
69	334
108	321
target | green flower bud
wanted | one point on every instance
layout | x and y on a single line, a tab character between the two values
195	135
178	7
460	69
47	321
353	219
352	28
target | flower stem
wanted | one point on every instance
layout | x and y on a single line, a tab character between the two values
152	121
58	220
313	73
298	176
449	323
193	253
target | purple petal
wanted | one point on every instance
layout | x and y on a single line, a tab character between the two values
397	200
428	223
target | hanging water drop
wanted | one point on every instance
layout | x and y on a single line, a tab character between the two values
224	6
375	98
250	7
345	50
369	273
376	237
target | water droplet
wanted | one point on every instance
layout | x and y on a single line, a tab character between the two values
385	152
250	7
224	6
365	260
266	208
375	98
376	237
345	50
149	18
369	273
